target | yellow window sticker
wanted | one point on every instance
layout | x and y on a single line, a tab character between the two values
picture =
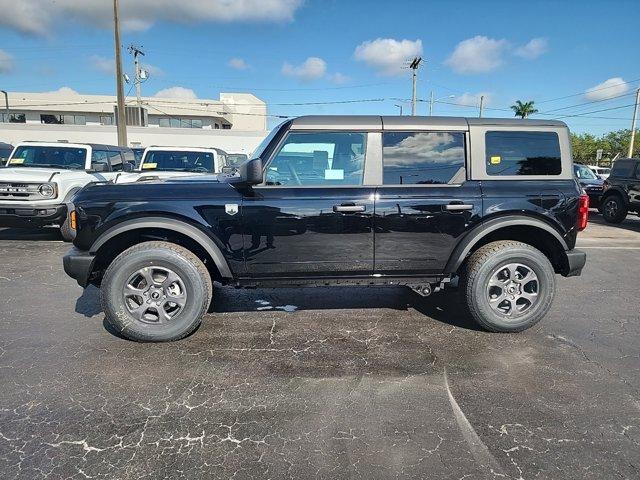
496	160
16	161
149	166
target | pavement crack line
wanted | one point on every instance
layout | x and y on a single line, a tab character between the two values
478	449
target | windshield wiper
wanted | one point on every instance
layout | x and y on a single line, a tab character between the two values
43	165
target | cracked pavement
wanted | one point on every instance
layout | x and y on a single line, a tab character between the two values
321	382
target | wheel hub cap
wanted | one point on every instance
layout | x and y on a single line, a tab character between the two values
154	295
513	289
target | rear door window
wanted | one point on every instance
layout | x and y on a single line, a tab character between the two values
623	168
522	153
422	158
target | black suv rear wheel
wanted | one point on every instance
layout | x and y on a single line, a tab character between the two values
614	209
509	286
156	292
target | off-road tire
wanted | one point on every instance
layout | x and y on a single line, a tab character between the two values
482	265
616	214
190	269
66	232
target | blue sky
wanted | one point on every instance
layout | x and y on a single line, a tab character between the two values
321	51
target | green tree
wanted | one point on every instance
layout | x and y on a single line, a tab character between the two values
524	109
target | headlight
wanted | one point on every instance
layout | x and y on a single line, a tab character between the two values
47	190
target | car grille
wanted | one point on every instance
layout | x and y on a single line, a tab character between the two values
19	191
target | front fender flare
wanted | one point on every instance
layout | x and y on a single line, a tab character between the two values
482	230
178	226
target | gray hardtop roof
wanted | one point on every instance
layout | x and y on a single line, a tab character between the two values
367	122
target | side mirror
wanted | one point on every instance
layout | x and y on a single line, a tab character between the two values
251	171
128	167
99	167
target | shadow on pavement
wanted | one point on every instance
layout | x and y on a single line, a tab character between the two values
446	307
42	234
631	223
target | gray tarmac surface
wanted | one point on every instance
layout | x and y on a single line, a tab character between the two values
322	382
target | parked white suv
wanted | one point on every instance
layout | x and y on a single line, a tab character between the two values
601	172
40	177
168	162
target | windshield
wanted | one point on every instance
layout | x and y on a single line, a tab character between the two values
138	153
584	172
235	159
69	158
174	161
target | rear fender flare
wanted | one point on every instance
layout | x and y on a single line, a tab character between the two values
168	224
616	191
479	232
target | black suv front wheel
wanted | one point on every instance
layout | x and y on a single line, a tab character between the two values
509	286
614	209
156	292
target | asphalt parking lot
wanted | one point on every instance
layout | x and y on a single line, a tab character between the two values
325	382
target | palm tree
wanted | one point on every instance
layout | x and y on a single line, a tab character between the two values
523	110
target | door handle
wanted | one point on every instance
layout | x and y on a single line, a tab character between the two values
458	207
349	208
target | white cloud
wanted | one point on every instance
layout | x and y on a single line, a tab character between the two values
607	89
6	62
533	49
103	64
64	91
38	17
386	55
338	78
477	55
472	99
311	69
177	92
238	64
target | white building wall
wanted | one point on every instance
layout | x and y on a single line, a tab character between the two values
233	141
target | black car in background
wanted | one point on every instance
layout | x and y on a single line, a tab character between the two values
591	183
5	153
622	190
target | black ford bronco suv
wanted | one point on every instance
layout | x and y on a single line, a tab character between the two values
339	200
622	190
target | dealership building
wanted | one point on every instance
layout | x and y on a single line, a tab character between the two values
237	122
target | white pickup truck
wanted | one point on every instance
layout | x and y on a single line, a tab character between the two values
169	162
40	177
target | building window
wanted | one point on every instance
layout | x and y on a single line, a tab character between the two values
13	118
63	119
106	119
180	122
51	119
226	126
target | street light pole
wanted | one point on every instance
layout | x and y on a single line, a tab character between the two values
400	107
633	124
481	105
431	104
122	119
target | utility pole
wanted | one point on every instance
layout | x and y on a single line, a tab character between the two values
633	124
141	75
431	103
6	102
481	105
122	119
415	64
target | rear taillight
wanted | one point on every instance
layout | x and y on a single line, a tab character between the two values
583	212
